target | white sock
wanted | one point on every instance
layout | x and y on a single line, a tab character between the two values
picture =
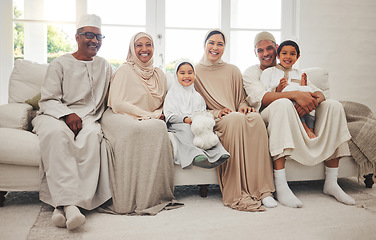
74	217
58	218
332	188
269	202
283	193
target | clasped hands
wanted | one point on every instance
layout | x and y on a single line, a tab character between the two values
74	122
244	110
305	101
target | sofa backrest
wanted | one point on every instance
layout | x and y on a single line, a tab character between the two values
318	76
25	80
27	77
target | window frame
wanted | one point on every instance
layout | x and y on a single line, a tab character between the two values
155	25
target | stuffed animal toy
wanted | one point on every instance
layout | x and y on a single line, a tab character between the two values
202	129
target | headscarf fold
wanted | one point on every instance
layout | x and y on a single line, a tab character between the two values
204	60
182	100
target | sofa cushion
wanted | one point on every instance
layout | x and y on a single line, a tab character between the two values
320	78
25	80
34	102
19	147
16	115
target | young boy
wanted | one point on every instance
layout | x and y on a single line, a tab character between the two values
284	78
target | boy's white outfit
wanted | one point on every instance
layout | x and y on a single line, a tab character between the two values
271	77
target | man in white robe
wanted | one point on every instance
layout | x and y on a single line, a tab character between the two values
287	136
74	164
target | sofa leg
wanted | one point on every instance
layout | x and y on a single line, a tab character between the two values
204	190
2	198
368	180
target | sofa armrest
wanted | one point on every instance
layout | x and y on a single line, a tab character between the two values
16	115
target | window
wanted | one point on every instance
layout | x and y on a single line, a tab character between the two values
44	29
247	19
185	28
119	23
40	32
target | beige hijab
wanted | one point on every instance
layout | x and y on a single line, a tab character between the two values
145	70
219	83
139	93
204	60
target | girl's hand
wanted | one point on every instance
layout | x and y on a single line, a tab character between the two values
246	110
188	120
224	112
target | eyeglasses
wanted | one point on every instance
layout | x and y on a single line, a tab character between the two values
90	35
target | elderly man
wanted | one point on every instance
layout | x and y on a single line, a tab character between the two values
286	133
74	160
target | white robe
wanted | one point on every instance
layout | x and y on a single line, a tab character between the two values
183	102
74	170
271	77
287	136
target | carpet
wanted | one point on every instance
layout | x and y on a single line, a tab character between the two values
321	217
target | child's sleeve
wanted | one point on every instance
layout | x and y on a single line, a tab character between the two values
176	119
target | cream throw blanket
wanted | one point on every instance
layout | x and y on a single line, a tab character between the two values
361	123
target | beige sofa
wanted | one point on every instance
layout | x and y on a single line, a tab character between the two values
19	147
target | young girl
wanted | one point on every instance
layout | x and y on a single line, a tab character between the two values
181	102
284	78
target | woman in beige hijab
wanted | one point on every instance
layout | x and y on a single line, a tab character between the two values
141	161
246	179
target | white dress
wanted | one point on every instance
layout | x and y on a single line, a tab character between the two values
182	102
74	169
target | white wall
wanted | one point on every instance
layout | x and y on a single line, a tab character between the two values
340	35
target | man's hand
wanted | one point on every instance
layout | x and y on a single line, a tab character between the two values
74	123
305	102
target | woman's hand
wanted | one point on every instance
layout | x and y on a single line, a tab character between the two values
246	110
188	120
224	112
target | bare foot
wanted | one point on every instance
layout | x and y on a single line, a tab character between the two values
303	82
309	131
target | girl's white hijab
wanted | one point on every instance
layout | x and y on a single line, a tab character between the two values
145	70
180	100
204	60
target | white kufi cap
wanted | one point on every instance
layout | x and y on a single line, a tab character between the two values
89	20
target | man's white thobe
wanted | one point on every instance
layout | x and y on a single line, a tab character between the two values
74	169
